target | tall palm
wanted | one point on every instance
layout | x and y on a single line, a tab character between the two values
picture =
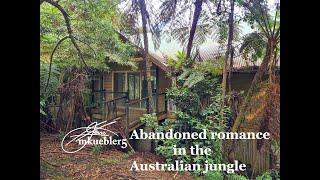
229	46
143	10
174	13
131	26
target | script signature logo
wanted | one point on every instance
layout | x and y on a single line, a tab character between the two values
78	134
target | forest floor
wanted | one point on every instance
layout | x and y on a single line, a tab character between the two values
110	164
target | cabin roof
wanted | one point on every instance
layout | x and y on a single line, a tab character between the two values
239	62
159	61
205	54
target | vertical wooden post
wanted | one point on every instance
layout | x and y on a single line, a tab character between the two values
165	103
127	115
157	103
104	105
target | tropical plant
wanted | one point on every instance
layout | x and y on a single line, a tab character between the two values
189	121
186	31
53	81
194	115
48	89
97	149
257	13
216	175
254	44
236	177
269	175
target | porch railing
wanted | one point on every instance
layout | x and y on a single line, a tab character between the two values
135	109
103	105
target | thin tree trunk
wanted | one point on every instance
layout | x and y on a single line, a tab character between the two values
256	80
230	69
229	45
196	15
148	63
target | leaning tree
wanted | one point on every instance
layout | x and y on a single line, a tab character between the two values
263	42
258	14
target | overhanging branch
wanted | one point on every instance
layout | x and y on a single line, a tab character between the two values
70	32
51	59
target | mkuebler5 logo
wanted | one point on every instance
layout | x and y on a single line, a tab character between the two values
94	134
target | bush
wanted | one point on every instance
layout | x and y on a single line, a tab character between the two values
213	175
236	177
269	175
184	99
194	113
96	150
209	119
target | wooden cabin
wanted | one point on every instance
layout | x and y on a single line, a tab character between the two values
122	92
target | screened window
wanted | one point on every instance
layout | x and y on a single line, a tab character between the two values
119	83
96	86
134	85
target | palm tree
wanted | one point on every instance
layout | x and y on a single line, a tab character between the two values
131	26
196	15
229	48
270	32
174	12
143	10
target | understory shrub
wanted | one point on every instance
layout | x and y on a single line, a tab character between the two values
236	177
191	118
216	175
197	96
96	149
269	175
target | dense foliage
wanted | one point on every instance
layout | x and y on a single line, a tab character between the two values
198	109
94	24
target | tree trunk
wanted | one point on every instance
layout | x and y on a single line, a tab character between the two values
229	45
196	15
256	80
148	63
230	69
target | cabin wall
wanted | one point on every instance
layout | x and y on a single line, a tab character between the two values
164	83
241	81
246	152
107	84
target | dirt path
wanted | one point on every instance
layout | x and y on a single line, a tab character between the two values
110	164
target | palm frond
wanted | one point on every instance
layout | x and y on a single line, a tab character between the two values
167	12
53	81
253	44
